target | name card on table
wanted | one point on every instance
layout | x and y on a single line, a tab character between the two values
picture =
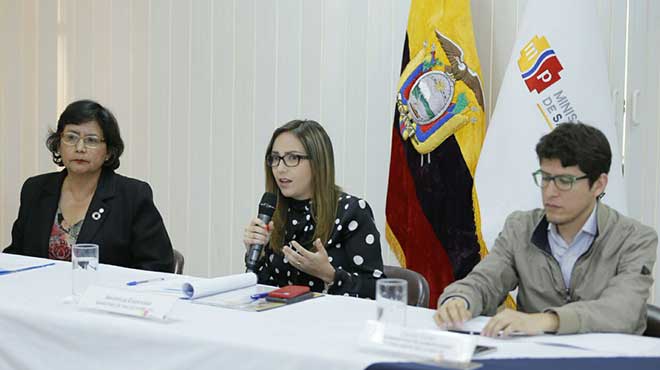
435	345
127	302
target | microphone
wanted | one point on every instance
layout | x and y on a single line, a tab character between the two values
266	210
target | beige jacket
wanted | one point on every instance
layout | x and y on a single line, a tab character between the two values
609	285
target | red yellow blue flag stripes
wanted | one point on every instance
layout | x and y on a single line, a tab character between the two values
432	218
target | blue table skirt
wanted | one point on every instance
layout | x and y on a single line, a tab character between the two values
600	363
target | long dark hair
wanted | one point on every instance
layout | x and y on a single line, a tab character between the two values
325	193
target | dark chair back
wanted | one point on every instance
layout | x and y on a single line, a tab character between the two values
652	321
179	261
418	287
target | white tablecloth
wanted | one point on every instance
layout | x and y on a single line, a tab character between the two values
39	331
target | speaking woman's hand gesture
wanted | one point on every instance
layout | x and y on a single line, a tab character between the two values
313	263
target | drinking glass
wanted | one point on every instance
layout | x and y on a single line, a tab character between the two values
85	263
391	301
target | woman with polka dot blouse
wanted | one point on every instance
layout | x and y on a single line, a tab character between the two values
319	236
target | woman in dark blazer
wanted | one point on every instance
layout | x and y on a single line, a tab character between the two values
88	202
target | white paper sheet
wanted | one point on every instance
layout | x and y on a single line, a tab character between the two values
203	288
476	324
170	286
241	299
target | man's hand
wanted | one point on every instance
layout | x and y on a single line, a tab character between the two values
452	314
510	321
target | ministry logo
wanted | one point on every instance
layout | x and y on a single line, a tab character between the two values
539	65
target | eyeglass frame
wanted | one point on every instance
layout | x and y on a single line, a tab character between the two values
282	159
547	179
85	144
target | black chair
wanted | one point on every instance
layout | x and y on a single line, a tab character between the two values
652	321
179	261
418	287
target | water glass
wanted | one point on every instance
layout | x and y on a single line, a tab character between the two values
85	262
391	301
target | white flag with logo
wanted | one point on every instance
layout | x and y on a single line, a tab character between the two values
557	73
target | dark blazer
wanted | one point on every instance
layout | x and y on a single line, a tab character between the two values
130	231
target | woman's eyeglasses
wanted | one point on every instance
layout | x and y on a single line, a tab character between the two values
290	159
90	141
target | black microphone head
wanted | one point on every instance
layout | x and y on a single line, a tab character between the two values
267	204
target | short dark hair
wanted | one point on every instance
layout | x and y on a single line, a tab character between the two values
83	111
577	144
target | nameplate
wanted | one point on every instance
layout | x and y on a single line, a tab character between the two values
122	301
423	344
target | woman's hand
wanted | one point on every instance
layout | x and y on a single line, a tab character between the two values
257	232
313	263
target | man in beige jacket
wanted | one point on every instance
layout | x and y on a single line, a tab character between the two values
579	265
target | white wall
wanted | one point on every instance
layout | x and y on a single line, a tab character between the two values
642	137
198	86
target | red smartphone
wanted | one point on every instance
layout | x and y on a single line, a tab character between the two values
289	294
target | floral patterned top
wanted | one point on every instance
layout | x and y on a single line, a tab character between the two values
353	250
62	237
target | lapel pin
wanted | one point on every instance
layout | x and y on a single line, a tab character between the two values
96	216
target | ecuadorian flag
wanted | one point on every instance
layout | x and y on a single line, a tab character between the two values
432	217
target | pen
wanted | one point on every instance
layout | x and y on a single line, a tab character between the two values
136	282
470	332
4	272
500	334
259	295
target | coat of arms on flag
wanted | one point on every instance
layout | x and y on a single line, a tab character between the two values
434	99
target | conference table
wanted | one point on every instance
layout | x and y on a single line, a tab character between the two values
40	329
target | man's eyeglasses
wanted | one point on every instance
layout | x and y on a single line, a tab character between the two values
562	182
290	159
90	141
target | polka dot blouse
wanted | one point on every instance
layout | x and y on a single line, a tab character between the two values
353	250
